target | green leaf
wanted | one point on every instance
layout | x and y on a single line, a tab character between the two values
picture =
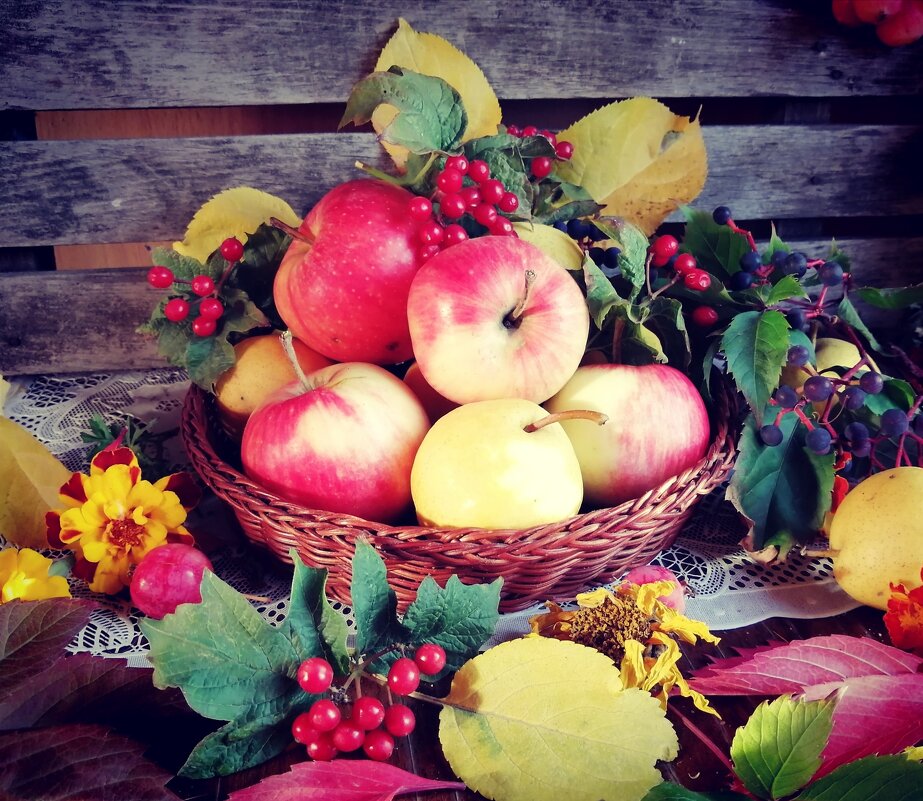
897	394
874	778
633	245
850	315
756	346
674	792
775	243
374	604
430	112
236	746
226	659
263	252
635	347
206	358
787	287
559	200
667	322
784	491
314	627
716	248
601	297
459	617
779	749
892	298
184	268
839	256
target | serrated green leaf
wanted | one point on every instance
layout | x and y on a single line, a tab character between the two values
668	791
779	749
891	298
785	288
784	491
634	346
601	296
236	746
430	114
459	617
228	662
559	200
775	243
207	358
874	778
850	315
756	345
716	248
314	627
374	605
633	245
263	252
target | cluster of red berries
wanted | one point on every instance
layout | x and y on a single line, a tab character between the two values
370	725
202	287
664	252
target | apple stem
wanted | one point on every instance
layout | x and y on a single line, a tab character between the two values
571	414
294	233
289	347
512	319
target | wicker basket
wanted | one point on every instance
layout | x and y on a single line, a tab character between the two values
545	562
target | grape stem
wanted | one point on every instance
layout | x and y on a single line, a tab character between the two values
737	230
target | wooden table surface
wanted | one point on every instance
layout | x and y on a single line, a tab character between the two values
696	767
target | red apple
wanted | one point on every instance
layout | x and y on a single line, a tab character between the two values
343	443
436	406
657	427
494	317
343	291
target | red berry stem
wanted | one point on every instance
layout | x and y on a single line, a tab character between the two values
673	281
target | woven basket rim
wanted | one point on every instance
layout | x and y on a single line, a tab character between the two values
197	429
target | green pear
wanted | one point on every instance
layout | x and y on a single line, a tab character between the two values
496	464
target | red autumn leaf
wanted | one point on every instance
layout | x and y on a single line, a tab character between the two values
904	618
879	689
70	763
341	780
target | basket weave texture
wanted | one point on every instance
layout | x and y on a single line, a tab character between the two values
552	561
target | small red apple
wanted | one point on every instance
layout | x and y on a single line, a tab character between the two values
904	27
658	426
495	317
344	441
342	288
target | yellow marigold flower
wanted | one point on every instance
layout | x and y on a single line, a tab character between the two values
113	517
633	627
24	576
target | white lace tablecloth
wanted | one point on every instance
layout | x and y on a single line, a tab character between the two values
729	591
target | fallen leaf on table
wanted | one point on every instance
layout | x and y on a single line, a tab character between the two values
539	719
637	158
29	480
779	749
432	55
89	762
880	689
233	212
340	780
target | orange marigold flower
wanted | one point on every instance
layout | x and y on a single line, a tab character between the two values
904	618
113	517
24	576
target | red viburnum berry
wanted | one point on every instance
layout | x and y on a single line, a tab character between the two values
231	249
420	208
663	249
459	163
542	166
160	277
508	203
704	316
564	150
176	310
478	171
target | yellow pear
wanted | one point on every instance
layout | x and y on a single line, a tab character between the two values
876	535
479	467
261	367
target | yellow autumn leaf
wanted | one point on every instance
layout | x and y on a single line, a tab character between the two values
564	250
638	159
233	212
30	477
432	55
540	719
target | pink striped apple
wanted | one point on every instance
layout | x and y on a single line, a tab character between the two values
495	317
657	428
344	441
342	285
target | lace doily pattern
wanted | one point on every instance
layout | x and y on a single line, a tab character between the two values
727	589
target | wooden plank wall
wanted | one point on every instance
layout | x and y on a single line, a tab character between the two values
118	120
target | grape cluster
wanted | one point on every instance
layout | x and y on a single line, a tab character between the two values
202	293
850	430
325	731
466	189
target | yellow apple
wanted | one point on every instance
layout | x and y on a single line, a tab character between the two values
261	367
478	467
876	535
